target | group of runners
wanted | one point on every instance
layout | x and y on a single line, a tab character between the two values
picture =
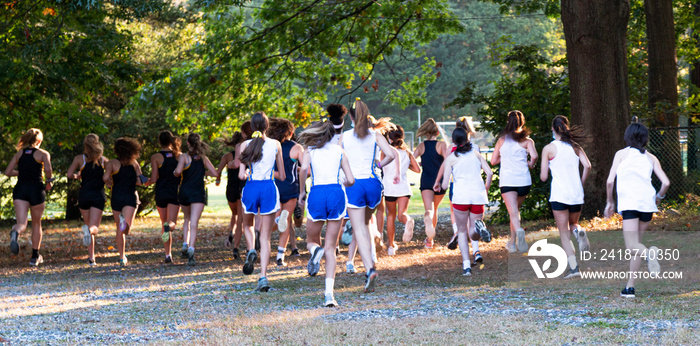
353	173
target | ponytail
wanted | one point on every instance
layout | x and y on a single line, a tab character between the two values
29	138
236	138
253	152
197	147
168	139
574	136
515	127
396	137
361	115
460	138
317	135
93	149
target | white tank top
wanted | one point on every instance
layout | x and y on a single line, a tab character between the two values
336	138
468	186
265	168
634	189
361	153
325	164
404	187
514	170
566	178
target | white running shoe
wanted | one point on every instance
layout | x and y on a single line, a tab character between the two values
429	229
583	243
350	268
653	260
392	250
520	240
87	237
510	247
408	230
282	221
330	301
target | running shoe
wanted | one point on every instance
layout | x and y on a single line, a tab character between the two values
295	253
583	243
35	262
183	251
190	257
350	268
573	273
429	229
452	245
166	232
337	251
123	262
346	239
510	247
123	226
14	246
91	262
168	260
282	221
408	230
653	260
483	231
235	253
314	264
627	292
257	240
371	280
281	262
520	240
249	264
330	301
87	237
428	243
391	251
467	272
297	212
477	258
263	285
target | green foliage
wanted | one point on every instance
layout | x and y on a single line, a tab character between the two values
537	87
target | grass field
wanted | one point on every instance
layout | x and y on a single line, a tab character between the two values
421	297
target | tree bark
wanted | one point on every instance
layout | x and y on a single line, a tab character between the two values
596	49
663	92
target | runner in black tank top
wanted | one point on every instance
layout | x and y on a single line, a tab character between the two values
163	165
234	187
29	165
192	184
92	187
431	162
431	153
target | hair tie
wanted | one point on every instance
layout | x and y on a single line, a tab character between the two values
257	134
339	126
357	99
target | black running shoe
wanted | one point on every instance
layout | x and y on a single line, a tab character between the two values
235	253
483	231
297	212
190	257
628	292
35	262
91	262
371	280
477	258
314	264
183	251
573	273
168	260
14	246
295	253
257	240
452	245
249	265
281	262
263	285
467	272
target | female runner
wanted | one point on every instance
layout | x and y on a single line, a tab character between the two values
511	151
91	197
364	196
327	201
122	175
260	193
637	199
193	166
562	156
432	153
29	194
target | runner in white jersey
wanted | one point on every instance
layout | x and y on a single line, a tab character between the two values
562	156
511	151
260	193
636	198
365	194
327	202
464	165
398	195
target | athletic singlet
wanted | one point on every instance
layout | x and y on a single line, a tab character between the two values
431	162
514	170
468	185
336	138
232	173
265	168
566	179
361	153
404	187
92	187
290	166
29	170
124	182
325	164
167	183
193	177
634	189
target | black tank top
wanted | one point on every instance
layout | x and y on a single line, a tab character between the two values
431	162
193	176
91	182
290	166
232	174
29	170
124	181
166	185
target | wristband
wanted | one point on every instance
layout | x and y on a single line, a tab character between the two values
659	196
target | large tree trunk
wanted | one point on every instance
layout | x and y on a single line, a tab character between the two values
663	92
596	49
